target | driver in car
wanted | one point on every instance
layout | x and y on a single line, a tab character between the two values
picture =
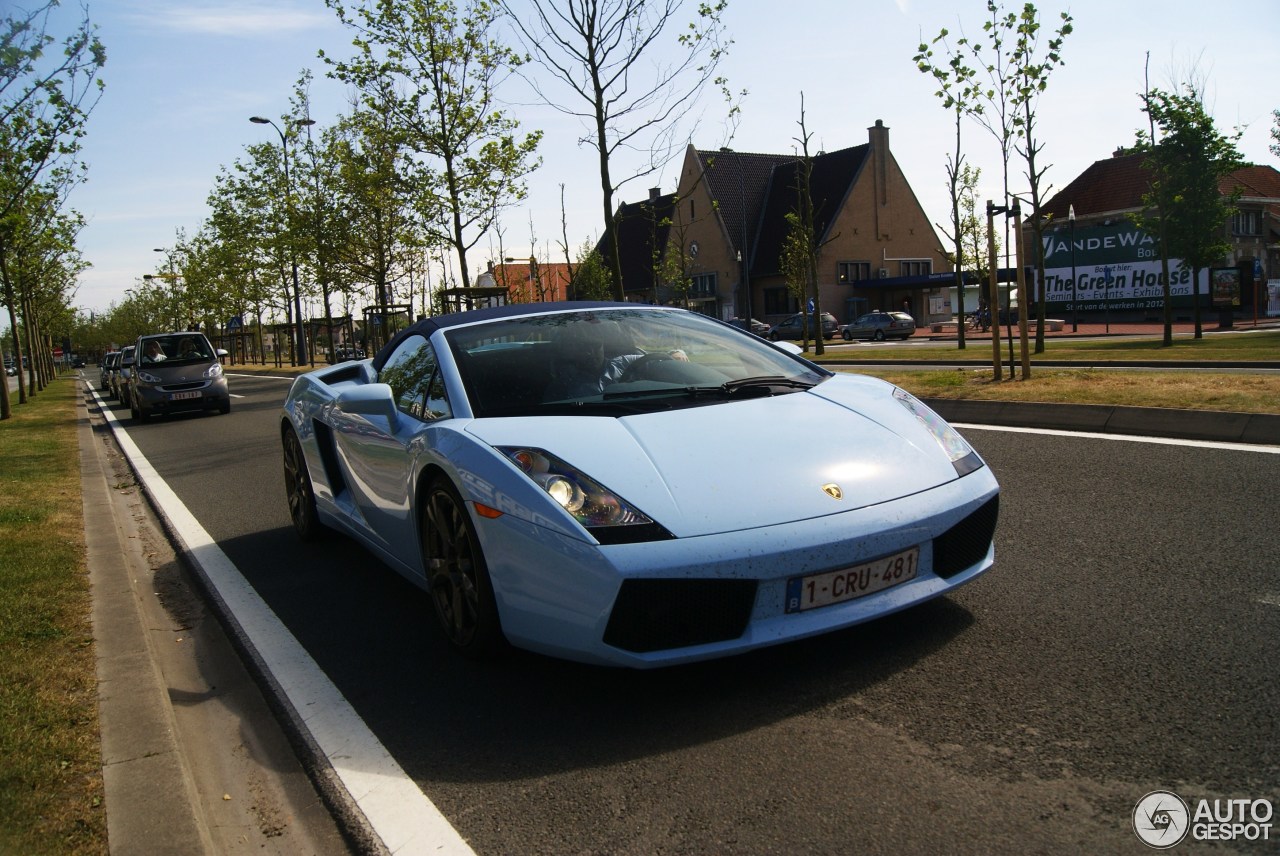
592	356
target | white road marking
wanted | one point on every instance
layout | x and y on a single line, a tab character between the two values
396	808
1130	438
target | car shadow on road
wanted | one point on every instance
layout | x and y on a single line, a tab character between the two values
375	636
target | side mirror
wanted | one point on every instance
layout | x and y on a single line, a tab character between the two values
370	399
221	352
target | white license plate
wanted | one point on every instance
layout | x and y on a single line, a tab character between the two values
849	583
182	396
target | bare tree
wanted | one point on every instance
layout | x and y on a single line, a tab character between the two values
631	93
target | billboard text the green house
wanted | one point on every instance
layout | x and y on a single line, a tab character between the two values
1116	266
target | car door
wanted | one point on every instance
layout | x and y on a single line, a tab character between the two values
379	455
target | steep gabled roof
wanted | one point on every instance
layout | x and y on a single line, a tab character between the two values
832	177
1114	184
1258	182
739	182
641	226
1118	184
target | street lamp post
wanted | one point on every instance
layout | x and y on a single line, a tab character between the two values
1075	301
300	336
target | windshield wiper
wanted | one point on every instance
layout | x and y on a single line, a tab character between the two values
764	382
763	385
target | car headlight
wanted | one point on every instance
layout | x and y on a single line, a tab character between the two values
605	514
214	371
147	377
957	449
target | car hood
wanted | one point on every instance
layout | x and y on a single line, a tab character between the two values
743	465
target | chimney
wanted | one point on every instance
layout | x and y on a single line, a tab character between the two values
878	137
654	193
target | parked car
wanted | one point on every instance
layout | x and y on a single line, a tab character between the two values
557	476
880	326
791	328
108	364
753	326
177	373
120	374
342	355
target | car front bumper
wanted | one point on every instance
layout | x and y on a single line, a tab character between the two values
562	597
184	397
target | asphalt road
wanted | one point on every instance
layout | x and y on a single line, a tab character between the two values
1125	642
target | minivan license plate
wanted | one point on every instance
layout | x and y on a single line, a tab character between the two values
849	583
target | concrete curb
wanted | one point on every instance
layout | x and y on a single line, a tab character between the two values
1212	425
150	799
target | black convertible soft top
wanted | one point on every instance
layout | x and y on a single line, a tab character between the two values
427	326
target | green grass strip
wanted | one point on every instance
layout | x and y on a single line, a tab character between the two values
50	757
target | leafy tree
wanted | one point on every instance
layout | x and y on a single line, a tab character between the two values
593	277
382	216
45	98
606	55
1189	163
959	92
434	69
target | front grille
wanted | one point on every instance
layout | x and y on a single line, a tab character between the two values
183	387
965	544
654	615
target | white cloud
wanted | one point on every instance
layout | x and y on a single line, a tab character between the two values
235	19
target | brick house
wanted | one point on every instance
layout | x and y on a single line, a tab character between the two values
727	224
532	281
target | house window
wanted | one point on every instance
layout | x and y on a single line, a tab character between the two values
847	272
923	267
778	301
1245	223
704	285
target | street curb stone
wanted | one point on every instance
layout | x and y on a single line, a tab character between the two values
1211	425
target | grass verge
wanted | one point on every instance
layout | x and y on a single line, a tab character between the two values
1231	392
50	759
1260	346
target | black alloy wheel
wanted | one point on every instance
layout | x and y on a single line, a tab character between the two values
456	574
879	336
298	489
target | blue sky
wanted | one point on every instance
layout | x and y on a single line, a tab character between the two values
182	79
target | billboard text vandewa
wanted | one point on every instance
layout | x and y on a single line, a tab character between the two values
1116	266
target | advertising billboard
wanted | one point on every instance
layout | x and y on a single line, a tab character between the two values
1116	266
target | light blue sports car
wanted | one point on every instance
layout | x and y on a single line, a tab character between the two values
633	485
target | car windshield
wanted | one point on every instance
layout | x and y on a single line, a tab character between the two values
617	362
179	348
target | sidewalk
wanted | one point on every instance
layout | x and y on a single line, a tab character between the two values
193	759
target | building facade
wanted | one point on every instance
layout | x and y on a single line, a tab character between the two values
727	225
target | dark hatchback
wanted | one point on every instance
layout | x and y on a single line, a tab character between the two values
176	373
